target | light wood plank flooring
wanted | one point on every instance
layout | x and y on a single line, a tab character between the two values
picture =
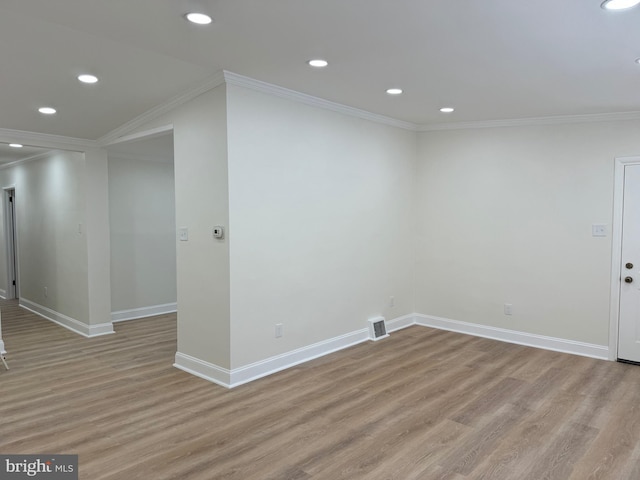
422	404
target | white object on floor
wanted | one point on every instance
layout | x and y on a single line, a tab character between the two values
3	352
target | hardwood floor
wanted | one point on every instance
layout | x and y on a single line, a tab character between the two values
422	404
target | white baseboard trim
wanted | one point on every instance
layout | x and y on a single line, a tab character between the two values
399	323
248	373
67	322
513	336
142	312
263	368
202	369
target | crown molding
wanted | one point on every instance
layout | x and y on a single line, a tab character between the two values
123	132
45	140
260	86
211	82
533	121
144	134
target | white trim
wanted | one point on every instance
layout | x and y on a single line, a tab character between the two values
248	373
146	135
202	369
616	251
44	140
61	142
399	323
264	87
513	336
67	322
258	85
254	371
533	121
142	312
210	83
219	78
3	294
2	350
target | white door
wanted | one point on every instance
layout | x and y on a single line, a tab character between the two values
629	317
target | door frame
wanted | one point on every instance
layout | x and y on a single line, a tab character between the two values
11	244
616	250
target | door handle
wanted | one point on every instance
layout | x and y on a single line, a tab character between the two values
628	279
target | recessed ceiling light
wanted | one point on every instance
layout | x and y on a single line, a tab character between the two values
619	4
15	145
447	109
318	63
47	110
199	18
638	61
86	78
394	91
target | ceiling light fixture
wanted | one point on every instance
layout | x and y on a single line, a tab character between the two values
638	61
394	91
447	109
86	78
318	63
15	145
47	110
619	4
199	18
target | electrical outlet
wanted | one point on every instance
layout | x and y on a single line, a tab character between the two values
279	330
218	231
508	309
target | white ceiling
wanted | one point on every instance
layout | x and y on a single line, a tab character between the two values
492	59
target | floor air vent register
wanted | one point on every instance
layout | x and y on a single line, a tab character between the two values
377	329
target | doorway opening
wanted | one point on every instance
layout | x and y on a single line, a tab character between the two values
142	225
10	229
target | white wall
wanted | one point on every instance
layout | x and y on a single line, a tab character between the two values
202	201
143	239
504	215
321	223
328	216
50	206
97	240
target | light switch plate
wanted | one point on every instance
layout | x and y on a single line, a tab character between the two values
598	230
